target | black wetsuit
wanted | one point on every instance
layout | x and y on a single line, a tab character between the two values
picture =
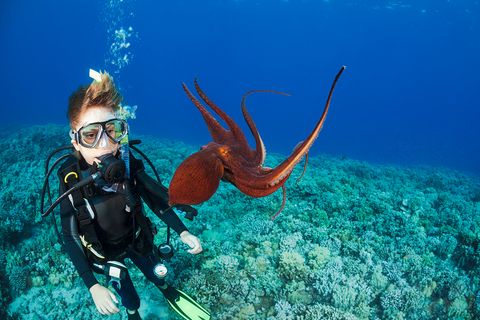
115	231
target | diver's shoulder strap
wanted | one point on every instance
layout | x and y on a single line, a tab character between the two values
70	174
136	166
152	192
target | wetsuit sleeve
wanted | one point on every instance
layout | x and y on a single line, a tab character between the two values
155	195
72	244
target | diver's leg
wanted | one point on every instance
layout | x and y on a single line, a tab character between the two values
181	303
129	296
146	264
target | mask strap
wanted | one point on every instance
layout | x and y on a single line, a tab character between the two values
71	133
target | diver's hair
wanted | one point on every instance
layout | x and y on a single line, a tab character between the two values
99	93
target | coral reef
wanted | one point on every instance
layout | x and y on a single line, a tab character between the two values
355	241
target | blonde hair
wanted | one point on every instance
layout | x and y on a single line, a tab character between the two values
99	93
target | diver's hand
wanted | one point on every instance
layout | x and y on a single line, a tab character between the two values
104	299
192	241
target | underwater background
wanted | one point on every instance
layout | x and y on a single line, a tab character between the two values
385	222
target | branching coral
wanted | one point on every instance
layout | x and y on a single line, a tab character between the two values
354	241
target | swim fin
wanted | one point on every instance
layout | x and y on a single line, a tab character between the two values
184	305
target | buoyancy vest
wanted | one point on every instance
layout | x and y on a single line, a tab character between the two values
90	204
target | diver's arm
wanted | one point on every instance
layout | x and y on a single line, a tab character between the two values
155	196
171	219
73	245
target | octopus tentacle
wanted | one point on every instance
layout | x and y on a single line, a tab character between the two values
248	185
216	130
304	165
260	152
304	169
285	168
234	128
284	199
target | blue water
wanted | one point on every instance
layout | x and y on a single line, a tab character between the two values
409	94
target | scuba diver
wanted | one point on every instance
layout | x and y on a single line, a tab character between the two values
101	191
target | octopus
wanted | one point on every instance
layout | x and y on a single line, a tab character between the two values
229	157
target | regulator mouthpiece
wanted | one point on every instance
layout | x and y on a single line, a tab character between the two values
111	168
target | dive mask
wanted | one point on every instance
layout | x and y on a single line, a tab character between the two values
89	135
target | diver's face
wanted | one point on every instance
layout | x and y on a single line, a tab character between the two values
105	145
